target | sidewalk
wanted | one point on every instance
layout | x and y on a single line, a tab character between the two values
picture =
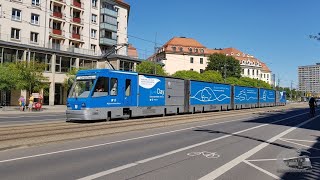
45	109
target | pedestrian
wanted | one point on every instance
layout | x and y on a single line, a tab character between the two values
31	99
22	103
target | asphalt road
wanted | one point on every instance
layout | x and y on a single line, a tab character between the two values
256	146
9	119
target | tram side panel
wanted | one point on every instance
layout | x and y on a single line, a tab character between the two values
245	97
175	96
283	98
151	96
205	96
267	97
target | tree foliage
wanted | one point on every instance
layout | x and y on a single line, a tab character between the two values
212	76
149	67
220	62
23	75
30	76
192	75
8	79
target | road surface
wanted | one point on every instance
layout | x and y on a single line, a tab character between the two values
255	146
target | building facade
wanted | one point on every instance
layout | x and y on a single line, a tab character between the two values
63	34
181	53
309	79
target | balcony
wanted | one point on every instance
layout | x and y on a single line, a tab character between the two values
109	12
60	1
77	20
77	4
108	27
107	41
57	14
57	33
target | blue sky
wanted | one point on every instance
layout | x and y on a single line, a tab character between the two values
275	31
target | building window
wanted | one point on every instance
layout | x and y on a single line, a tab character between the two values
58	63
16	15
190	50
174	49
248	71
191	69
242	71
93	33
257	73
34	37
35	19
93	47
201	70
201	60
36	2
0	10
126	66
201	50
114	87
191	59
15	33
196	50
94	3
253	72
88	64
106	34
181	49
94	18
65	64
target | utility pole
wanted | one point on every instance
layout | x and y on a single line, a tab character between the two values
291	90
155	54
278	83
225	72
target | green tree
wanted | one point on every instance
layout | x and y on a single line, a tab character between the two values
71	77
193	75
149	67
8	77
30	76
222	63
212	76
233	81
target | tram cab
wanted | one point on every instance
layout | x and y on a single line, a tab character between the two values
98	94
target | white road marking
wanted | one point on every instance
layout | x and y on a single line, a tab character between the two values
299	140
257	160
115	142
262	170
299	144
205	154
226	167
110	171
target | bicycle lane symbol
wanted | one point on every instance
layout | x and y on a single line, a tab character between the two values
205	154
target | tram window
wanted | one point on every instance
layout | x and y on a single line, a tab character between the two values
128	87
102	87
114	87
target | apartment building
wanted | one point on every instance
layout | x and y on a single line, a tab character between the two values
309	79
63	34
181	53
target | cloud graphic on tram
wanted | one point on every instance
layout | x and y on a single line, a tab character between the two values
208	95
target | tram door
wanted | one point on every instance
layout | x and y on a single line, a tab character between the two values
127	91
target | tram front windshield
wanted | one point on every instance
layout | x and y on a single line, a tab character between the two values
81	88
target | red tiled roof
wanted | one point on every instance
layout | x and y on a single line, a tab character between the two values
265	67
184	42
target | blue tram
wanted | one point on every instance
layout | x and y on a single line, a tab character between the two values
107	94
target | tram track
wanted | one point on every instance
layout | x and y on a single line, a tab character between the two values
22	135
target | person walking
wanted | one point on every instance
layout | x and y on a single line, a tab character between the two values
22	103
31	100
